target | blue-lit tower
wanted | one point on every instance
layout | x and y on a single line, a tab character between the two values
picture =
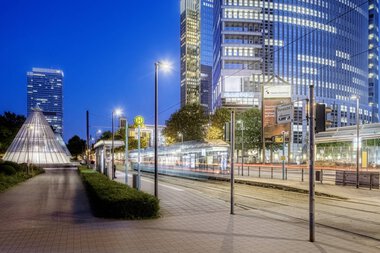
45	90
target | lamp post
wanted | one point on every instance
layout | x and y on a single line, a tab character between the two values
166	67
357	139
116	112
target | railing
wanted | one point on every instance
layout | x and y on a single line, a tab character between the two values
324	175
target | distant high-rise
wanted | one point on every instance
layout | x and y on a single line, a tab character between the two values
45	90
207	37
196	51
190	52
373	59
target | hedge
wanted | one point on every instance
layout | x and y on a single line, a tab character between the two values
13	173
110	199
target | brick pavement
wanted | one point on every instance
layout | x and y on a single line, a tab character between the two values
50	213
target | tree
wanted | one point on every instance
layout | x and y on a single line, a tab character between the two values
10	124
76	145
218	120
132	141
190	121
250	123
107	135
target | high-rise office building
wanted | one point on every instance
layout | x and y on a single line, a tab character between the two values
373	59
206	23
302	42
196	51
190	51
45	90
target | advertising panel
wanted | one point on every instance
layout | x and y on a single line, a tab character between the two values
276	96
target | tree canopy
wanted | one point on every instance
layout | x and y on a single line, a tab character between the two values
10	124
190	121
76	145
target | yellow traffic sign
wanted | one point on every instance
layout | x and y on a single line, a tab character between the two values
139	120
278	139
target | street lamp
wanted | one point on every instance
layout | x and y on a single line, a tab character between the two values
116	112
357	139
166	67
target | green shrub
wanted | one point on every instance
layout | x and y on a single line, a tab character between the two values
7	170
16	166
110	199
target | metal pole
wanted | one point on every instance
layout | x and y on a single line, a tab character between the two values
112	150
357	141
262	124
27	147
88	137
283	155
155	129
311	169
232	159
139	159
126	150
242	148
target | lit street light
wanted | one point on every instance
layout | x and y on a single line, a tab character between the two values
166	67
357	139
116	112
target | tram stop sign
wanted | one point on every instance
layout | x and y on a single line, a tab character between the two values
139	120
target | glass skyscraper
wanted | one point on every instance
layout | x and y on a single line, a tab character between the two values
206	23
196	51
302	42
45	90
190	51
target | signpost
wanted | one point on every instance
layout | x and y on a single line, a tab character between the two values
139	121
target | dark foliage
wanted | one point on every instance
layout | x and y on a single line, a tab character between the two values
76	145
10	124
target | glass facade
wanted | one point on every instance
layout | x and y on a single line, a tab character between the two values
373	57
45	90
190	51
303	42
207	19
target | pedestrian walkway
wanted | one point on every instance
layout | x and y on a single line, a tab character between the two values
50	213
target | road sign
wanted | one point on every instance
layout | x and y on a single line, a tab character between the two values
139	120
283	158
285	114
278	139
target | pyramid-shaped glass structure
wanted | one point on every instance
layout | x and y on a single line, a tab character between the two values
36	143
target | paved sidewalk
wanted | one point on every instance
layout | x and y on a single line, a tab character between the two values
50	213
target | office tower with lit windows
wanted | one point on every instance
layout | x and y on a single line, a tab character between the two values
190	51
45	90
206	24
373	57
302	42
196	52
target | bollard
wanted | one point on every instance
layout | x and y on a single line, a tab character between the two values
370	181
286	173
259	172
344	178
321	176
302	176
248	170
271	172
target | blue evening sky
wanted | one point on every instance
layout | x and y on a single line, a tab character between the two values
106	49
